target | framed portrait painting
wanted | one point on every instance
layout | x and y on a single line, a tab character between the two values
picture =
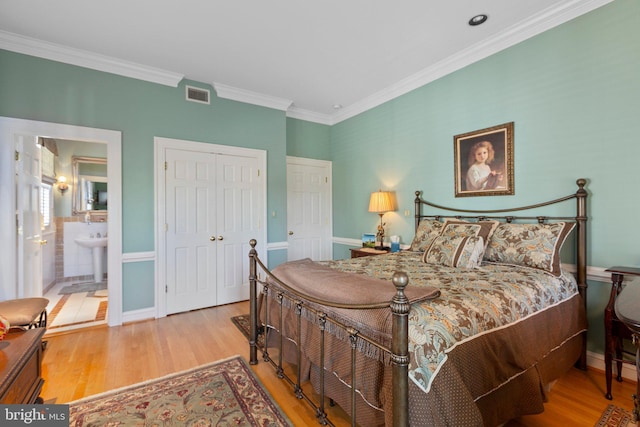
483	162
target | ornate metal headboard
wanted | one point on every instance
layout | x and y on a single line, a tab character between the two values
501	215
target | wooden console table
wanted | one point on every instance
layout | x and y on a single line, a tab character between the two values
615	331
628	311
21	367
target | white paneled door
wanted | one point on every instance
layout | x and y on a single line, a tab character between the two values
190	231
308	209
29	183
213	206
238	221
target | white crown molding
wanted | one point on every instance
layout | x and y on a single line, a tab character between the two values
545	20
42	49
250	97
310	116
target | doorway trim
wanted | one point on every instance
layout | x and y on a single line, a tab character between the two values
160	144
9	127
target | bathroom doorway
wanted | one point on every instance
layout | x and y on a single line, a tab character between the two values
78	291
12	284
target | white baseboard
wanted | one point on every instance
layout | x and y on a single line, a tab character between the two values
596	361
138	315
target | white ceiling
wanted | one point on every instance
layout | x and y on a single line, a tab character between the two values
296	55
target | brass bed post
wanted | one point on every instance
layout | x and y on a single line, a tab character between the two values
417	211
581	256
400	351
253	315
581	219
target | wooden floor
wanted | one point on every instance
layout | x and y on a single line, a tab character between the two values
89	361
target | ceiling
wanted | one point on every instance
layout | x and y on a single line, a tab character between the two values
304	57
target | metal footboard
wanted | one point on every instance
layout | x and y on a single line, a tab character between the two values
398	351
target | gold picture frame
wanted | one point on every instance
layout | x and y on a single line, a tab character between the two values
483	162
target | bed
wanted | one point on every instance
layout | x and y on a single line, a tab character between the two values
468	327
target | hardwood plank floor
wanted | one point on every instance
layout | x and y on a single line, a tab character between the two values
89	361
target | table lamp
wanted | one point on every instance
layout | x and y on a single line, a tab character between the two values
381	202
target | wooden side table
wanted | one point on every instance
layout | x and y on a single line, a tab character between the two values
615	330
360	252
21	367
628	311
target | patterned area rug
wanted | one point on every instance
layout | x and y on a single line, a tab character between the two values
242	322
614	416
224	393
84	287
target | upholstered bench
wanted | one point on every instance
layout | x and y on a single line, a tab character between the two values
25	313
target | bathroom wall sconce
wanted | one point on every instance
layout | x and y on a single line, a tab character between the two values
62	184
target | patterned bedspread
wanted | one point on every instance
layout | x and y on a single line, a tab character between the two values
472	302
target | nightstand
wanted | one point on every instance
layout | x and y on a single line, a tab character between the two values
360	252
614	330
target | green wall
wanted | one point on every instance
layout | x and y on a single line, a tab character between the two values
574	95
43	90
309	140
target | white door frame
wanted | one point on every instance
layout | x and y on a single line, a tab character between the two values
9	127
327	238
159	146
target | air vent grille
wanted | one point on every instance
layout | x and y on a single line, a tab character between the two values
196	94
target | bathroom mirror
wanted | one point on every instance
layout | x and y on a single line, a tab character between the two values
89	184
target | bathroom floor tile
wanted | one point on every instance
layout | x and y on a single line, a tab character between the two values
76	310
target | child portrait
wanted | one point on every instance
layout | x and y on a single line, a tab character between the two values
483	162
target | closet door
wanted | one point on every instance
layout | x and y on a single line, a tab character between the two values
238	213
213	206
191	242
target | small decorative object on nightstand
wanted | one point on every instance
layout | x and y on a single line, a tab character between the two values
628	311
615	331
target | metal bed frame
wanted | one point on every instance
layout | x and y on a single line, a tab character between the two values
398	351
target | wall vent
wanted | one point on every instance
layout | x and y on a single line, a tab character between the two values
196	94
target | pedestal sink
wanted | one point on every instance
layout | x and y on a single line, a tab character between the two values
97	245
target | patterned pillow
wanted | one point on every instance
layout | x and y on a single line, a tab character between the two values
530	245
427	231
455	251
482	229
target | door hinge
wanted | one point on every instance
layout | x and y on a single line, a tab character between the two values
258	172
166	227
326	179
166	289
166	166
17	155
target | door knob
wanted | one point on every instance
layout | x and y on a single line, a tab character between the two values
220	238
291	233
43	242
212	238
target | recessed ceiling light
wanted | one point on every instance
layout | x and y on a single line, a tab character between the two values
337	106
477	20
